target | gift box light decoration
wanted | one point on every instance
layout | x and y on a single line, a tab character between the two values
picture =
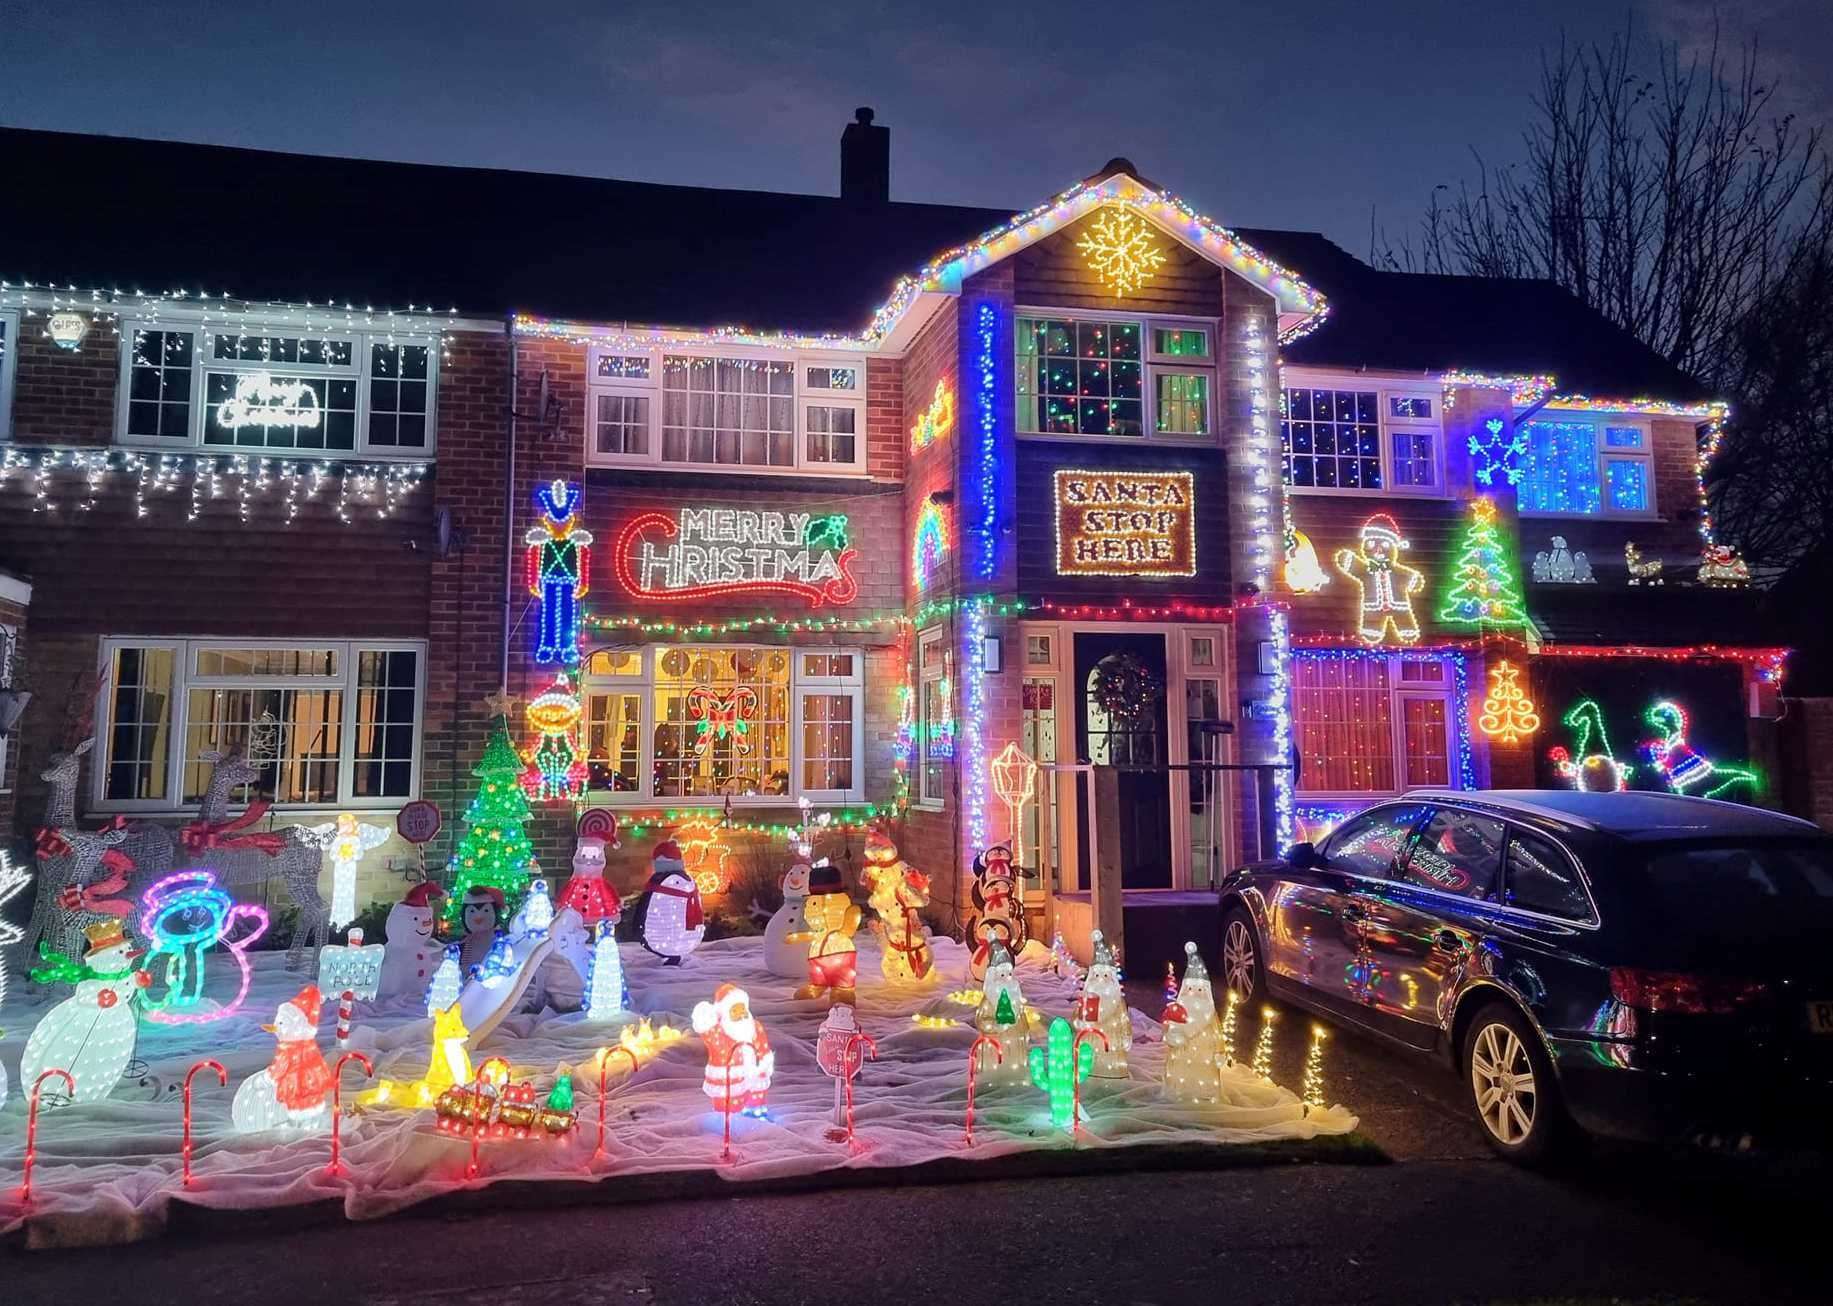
184	916
559	559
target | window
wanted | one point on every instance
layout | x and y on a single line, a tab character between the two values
1543	879
1457	853
740	413
1360	438
701	723
1371	724
1369	843
325	724
1038	651
1087	376
1587	466
281	393
9	334
935	724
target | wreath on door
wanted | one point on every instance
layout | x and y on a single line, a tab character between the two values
1125	688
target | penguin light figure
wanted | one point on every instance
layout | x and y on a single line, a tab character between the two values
668	915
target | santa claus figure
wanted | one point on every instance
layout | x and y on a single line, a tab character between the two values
739	1062
587	892
668	916
412	953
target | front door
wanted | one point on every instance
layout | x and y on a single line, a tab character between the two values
1120	722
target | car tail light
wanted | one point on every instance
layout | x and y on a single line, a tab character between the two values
1667	990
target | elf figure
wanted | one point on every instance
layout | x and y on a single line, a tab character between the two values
1103	1006
1002	1017
1193	1038
833	918
739	1062
559	571
294	1092
999	914
1387	586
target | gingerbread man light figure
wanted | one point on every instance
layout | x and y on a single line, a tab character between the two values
1386	586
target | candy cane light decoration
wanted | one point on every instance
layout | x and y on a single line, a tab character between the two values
184	1152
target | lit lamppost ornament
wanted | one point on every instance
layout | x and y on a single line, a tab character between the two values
556	768
1015	781
1119	249
559	571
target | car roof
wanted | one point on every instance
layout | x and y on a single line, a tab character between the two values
1630	814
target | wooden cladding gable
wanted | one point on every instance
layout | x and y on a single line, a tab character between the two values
1054	273
1038	463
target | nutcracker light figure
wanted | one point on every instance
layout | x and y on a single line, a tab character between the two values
559	571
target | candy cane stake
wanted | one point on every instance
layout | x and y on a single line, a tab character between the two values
973	1065
31	1129
336	1167
222	1079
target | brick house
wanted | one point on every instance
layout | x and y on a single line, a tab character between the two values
891	486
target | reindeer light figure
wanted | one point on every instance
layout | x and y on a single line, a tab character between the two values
70	861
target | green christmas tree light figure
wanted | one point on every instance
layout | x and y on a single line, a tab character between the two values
1057	1071
494	849
1487	590
560	1097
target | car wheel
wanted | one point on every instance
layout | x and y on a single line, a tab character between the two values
1512	1086
1242	966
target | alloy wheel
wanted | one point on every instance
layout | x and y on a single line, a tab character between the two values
1502	1078
1238	958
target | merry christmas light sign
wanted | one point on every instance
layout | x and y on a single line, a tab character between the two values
1125	523
700	553
264	400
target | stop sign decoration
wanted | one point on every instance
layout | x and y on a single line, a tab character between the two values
419	821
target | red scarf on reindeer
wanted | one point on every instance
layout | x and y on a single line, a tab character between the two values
200	836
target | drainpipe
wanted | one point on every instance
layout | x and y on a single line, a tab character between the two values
509	508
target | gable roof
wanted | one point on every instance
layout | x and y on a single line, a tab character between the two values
261	225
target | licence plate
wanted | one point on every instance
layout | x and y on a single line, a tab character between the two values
1820	1017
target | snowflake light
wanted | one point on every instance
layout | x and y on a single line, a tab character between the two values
1120	249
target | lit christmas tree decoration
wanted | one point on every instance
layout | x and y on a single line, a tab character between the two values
559	571
1312	1090
1508	713
1120	249
494	849
1228	1027
605	994
1263	1046
447	980
1485	589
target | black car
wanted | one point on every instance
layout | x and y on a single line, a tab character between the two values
1640	965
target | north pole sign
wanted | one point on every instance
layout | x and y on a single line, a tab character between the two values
716	552
1125	523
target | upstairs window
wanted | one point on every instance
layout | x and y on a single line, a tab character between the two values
1340	437
1586	466
731	412
1111	377
304	393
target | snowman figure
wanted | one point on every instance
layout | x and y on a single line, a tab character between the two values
90	1034
294	1091
786	936
668	916
412	953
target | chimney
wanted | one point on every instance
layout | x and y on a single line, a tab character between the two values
865	160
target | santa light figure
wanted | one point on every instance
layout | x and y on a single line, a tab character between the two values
1003	1018
346	841
1193	1037
294	1091
739	1062
1103	1006
668	916
90	1034
411	954
559	571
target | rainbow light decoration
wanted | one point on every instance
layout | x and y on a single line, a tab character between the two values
184	915
930	545
559	571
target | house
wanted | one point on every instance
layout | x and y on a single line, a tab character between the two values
1098	529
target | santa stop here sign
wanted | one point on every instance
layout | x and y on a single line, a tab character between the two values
418	822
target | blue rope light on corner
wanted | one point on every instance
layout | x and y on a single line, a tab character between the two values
986	396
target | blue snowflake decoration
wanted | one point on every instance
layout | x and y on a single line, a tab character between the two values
1495	456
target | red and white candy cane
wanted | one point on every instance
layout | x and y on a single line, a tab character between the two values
604	1061
1075	1056
31	1128
725	1150
846	1057
973	1065
336	1167
346	1005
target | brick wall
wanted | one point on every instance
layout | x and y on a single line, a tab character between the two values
65	396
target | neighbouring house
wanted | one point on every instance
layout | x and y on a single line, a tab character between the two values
1143	544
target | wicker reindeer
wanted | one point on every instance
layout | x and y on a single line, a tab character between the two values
70	862
238	855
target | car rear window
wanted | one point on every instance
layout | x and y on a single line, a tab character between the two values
1741	876
1543	879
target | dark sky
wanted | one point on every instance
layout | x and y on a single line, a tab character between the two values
1302	113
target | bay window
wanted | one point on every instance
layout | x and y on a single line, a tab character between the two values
1126	377
1587	466
295	392
327	723
701	723
1360	436
1370	723
935	719
738	412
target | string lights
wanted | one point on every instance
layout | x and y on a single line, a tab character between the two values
1125	523
1118	247
1508	713
986	453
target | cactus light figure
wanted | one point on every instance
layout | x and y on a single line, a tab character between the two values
1056	1070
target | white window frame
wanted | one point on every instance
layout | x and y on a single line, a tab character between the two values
936	637
359	369
643	683
802	398
9	363
1397	690
1152	364
178	725
1645	455
1386	390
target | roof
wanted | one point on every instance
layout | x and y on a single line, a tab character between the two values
160	215
1633	814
